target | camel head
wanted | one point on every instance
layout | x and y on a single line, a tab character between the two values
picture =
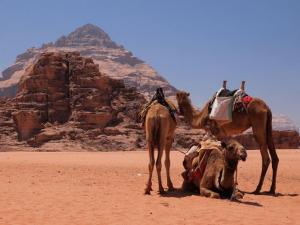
234	151
183	100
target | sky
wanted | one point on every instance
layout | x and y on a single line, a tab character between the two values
194	44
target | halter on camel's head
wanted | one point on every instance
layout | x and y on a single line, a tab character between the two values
234	151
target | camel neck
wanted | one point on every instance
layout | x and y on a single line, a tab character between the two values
227	179
192	116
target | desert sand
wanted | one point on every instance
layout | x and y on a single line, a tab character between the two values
107	188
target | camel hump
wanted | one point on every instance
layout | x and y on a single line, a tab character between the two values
158	97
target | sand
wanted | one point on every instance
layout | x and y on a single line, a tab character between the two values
107	188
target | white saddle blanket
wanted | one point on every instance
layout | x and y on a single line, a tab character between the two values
222	108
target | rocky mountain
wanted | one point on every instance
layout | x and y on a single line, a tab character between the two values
64	103
91	41
283	123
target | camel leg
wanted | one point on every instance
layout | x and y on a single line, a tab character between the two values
259	127
150	166
275	161
167	163
208	193
158	168
265	164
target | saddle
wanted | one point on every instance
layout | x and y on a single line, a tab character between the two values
240	98
199	162
160	98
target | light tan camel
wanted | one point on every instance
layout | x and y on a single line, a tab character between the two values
218	178
221	163
159	127
258	116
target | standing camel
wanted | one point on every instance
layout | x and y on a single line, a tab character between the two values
258	116
159	127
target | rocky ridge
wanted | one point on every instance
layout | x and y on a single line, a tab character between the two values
91	41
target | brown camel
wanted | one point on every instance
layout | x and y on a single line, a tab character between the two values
218	178
159	127
220	163
258	116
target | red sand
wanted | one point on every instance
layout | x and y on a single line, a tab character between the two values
107	188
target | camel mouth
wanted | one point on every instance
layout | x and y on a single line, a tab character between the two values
243	157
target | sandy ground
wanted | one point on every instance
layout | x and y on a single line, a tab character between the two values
107	188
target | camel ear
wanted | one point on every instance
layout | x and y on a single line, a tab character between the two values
223	144
188	94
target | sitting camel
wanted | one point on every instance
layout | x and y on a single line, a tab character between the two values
217	164
257	115
159	127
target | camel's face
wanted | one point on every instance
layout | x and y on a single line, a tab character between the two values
182	99
234	150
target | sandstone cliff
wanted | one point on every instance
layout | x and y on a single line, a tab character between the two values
64	96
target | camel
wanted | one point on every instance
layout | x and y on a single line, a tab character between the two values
219	166
159	128
257	115
218	178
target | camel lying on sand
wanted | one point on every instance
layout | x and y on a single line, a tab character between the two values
159	127
257	115
217	164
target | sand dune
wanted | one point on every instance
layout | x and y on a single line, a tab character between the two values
107	188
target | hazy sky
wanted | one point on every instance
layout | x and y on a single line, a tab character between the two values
194	44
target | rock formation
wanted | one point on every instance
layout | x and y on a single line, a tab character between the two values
64	94
90	41
285	139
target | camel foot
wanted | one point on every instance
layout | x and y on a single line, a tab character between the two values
148	190
272	192
162	191
256	192
171	188
236	196
215	195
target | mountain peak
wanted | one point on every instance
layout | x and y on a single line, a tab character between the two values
86	35
90	30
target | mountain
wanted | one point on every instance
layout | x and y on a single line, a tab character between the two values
113	60
282	122
91	41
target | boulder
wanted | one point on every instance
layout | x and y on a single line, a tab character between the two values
27	123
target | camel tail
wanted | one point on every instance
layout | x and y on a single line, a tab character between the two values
270	141
157	132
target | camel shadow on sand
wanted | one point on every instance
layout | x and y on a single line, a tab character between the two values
178	193
273	195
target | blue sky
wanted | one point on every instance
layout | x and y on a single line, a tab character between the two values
194	44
